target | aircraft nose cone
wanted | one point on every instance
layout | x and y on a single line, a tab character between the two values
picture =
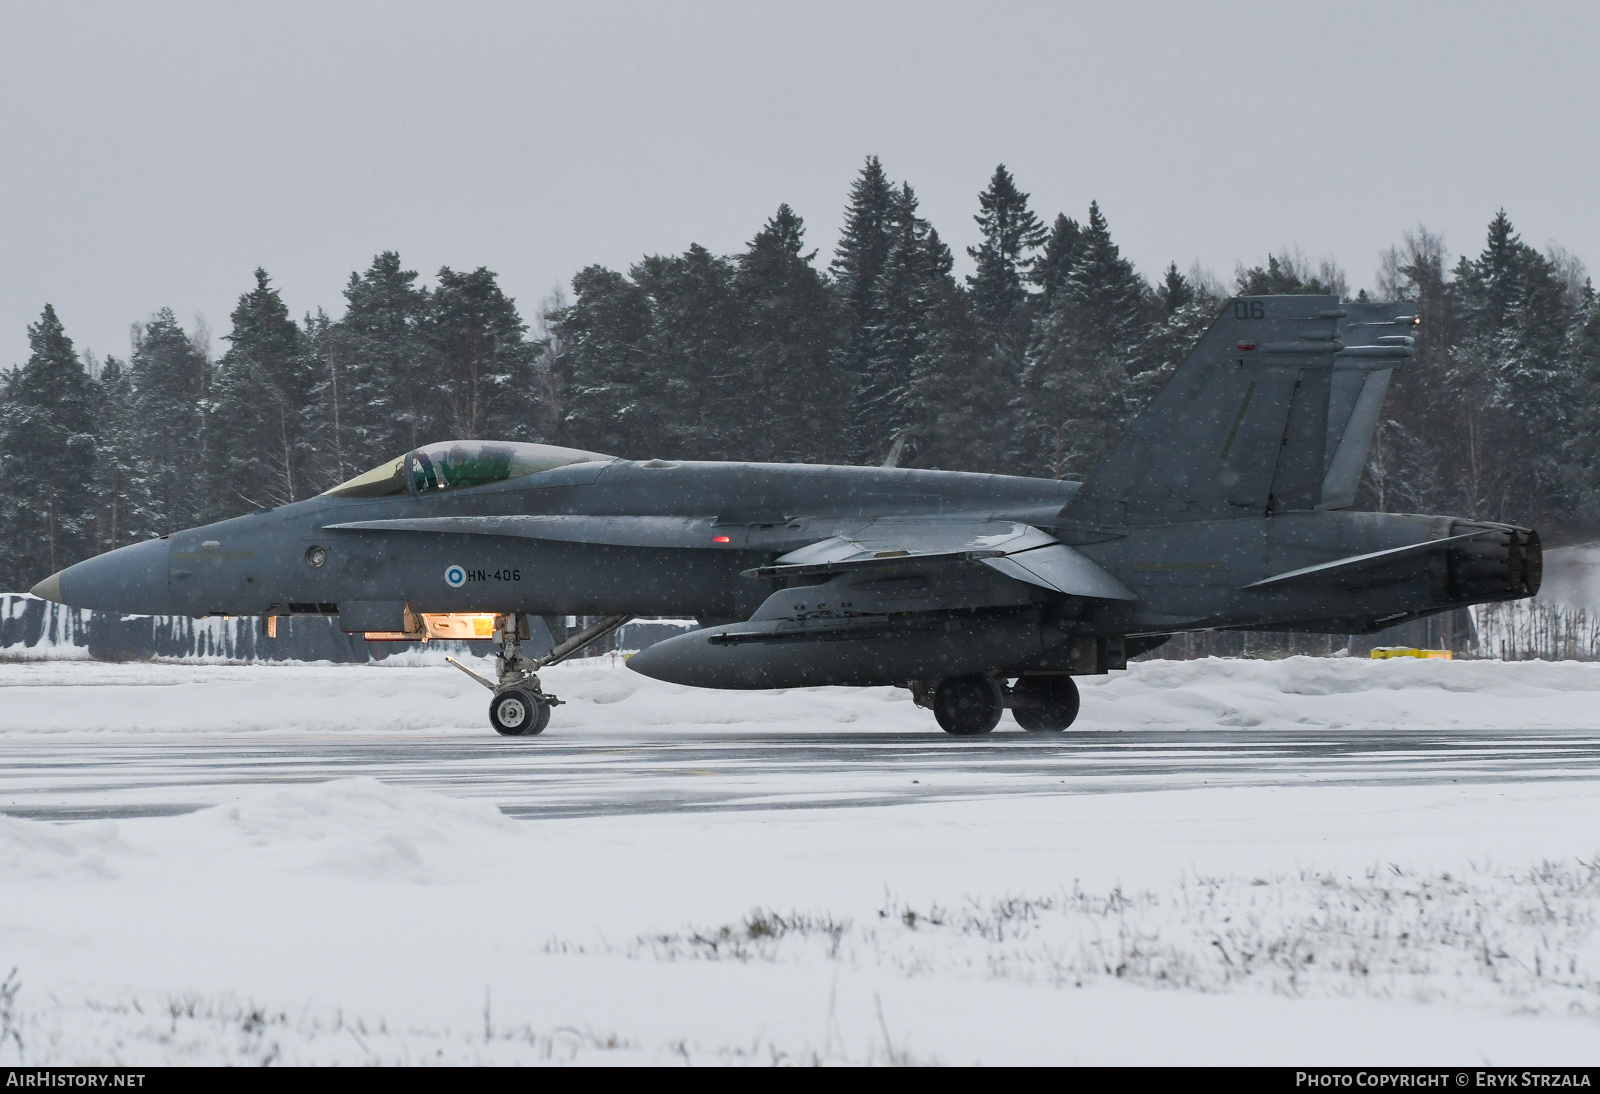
131	579
49	589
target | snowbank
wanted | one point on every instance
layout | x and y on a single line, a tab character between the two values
355	829
353	922
602	697
1338	692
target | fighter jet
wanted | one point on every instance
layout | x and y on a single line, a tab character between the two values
1225	505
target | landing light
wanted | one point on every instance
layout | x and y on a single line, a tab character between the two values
428	626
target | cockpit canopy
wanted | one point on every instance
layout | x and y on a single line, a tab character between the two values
450	465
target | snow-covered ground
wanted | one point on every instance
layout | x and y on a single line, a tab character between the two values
418	692
1407	913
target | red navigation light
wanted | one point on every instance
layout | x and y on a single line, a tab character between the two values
721	539
1247	346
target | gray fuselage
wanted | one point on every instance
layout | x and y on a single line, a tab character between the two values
679	536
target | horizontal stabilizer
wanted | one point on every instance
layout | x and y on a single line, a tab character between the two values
1357	562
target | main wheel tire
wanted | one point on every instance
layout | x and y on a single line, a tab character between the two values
515	713
1045	704
968	706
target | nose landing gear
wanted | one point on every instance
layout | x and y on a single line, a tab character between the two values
521	707
517	713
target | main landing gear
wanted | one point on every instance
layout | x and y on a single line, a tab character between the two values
970	706
1044	704
521	707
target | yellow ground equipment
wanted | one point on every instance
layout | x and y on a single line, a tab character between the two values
1381	653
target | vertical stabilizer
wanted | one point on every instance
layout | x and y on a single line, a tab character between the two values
1272	411
1241	427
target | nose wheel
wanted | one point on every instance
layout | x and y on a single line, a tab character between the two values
516	713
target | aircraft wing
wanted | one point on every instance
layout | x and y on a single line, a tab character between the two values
1057	566
1018	551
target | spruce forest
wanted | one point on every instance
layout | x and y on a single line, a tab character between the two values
1031	365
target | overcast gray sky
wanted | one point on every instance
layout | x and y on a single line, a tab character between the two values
153	154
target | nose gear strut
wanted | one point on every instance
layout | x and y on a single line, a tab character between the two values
518	688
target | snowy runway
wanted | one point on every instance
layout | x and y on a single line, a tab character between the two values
1297	862
569	777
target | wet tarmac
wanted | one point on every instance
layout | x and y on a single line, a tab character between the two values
81	777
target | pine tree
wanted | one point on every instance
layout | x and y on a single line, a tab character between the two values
1105	284
958	402
610	389
1074	391
1290	274
1010	233
48	445
1053	268
260	419
1078	382
1488	417
795	411
479	365
696	353
121	485
1514	364
1168	339
1581	451
1491	286
169	376
330	463
898	334
550	369
375	357
857	265
901	365
1175	290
